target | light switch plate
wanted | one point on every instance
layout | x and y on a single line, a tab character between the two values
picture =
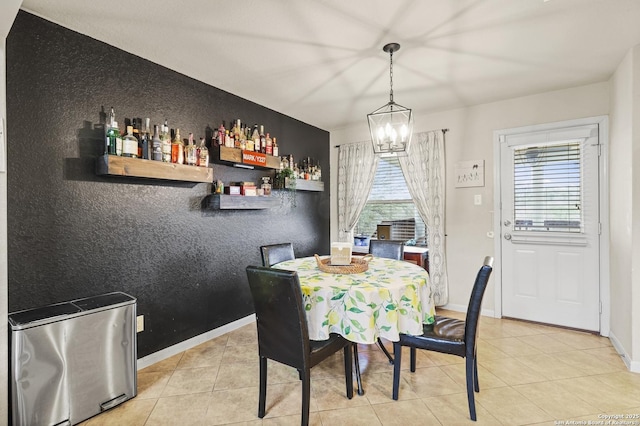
477	199
140	323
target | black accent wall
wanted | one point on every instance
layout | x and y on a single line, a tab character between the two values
74	234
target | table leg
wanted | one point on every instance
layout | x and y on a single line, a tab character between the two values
356	361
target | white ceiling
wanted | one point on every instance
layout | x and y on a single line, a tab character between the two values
321	61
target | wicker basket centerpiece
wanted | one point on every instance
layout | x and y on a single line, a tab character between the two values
358	264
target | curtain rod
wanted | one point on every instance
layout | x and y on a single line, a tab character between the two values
444	131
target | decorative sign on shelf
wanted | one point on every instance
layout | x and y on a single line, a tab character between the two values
254	158
469	173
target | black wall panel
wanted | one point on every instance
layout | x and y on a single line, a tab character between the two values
73	234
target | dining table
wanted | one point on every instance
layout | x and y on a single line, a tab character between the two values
390	297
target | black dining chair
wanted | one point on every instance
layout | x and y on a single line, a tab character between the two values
450	336
276	253
283	335
391	249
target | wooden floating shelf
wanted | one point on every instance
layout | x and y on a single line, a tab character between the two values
248	159
114	165
305	185
238	202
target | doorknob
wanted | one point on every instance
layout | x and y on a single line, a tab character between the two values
507	222
507	237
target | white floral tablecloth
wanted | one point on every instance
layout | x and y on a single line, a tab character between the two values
391	297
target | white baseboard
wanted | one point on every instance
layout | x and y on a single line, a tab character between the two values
633	366
463	308
194	341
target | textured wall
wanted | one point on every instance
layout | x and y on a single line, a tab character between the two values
74	234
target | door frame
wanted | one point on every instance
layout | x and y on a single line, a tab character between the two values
603	187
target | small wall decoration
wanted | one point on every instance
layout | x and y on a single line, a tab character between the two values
469	173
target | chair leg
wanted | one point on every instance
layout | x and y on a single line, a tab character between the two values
386	352
263	387
413	360
470	396
356	362
475	374
306	396
348	371
397	360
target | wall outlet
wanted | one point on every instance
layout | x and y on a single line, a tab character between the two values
139	323
477	199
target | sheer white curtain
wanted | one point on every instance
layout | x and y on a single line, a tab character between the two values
424	171
356	168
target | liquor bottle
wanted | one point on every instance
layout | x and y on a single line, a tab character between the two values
221	135
165	137
112	133
237	133
230	140
146	140
263	140
137	124
256	138
203	154
156	144
242	139
130	144
276	150
251	146
269	145
191	152
177	149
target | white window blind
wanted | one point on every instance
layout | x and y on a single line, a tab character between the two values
547	188
391	204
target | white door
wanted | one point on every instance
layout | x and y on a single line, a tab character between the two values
550	242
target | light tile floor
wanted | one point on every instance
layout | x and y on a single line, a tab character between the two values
528	374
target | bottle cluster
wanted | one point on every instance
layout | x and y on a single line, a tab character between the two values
307	168
244	137
163	144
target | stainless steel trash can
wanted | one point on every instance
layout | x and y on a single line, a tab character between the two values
72	360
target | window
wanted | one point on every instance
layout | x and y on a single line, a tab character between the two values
391	206
547	193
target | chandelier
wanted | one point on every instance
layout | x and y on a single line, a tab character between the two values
391	125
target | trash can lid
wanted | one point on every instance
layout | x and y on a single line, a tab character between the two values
104	300
52	312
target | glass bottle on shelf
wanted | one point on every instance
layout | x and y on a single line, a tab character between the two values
137	124
156	144
145	140
203	154
129	144
191	152
243	140
112	133
263	140
237	136
276	149
255	136
177	149
166	143
250	143
268	145
221	135
231	143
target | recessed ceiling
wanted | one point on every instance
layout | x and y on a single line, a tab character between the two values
322	62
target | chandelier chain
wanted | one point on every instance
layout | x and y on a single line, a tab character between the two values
391	76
